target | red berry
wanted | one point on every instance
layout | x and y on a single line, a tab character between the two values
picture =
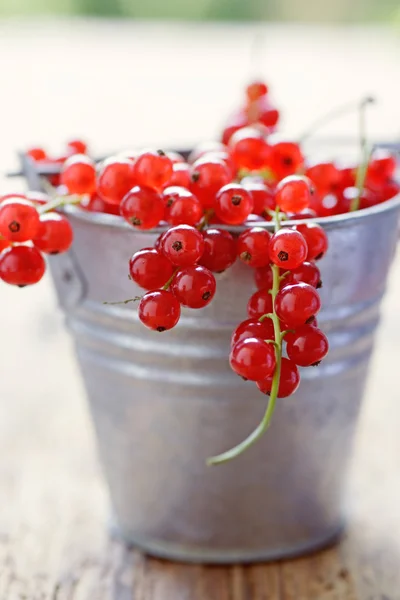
316	238
253	359
263	197
94	203
159	310
263	330
182	245
287	249
236	122
180	175
326	178
286	158
268	115
36	154
307	346
153	169
263	277
252	247
381	168
79	174
233	204
149	269
115	179
259	304
249	150
307	273
295	304
21	265
330	204
194	286
181	206
219	250
77	147
293	193
19	220
142	207
224	157
288	383
207	177
55	234
308	213
256	90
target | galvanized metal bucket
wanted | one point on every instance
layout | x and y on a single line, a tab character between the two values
163	403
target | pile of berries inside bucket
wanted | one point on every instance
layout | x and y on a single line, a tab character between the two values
227	201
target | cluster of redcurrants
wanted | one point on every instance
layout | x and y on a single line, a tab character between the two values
28	229
40	156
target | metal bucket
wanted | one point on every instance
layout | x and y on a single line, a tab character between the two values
163	403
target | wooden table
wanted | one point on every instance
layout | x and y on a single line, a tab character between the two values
53	539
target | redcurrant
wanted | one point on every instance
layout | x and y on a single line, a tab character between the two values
219	250
287	249
150	269
55	234
263	277
181	206
159	310
142	207
252	247
182	245
36	154
316	239
21	265
115	179
288	383
293	193
307	346
296	303
233	204
194	286
263	330
263	197
79	174
207	177
249	149
259	304
256	90
19	220
180	175
153	169
285	158
307	273
253	359
77	147
326	178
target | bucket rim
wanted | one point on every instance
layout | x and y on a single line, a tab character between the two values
328	223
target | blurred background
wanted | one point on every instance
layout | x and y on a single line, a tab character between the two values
127	73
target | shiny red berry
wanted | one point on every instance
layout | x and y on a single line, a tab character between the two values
295	304
381	167
94	203
288	383
182	245
288	249
153	169
236	122
115	179
142	207
219	250
307	346
326	177
253	245
316	239
263	277
293	193
307	273
180	175
19	220
253	359
21	265
79	174
286	158
181	206
150	269
259	304
208	175
55	234
36	154
263	197
233	204
256	90
263	330
194	287
249	149
159	310
77	147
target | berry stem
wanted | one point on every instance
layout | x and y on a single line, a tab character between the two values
365	156
135	299
266	420
205	219
57	202
170	280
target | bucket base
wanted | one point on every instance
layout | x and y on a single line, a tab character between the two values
180	553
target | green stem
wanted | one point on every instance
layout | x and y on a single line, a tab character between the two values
135	299
170	280
364	160
59	201
266	420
